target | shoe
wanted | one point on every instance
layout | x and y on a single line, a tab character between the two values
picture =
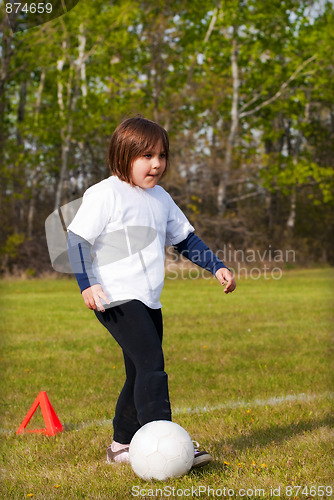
201	457
120	456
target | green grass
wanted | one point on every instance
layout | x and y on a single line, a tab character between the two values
249	376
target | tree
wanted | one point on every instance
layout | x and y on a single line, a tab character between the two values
244	88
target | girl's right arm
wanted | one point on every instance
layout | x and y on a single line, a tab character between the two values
79	256
92	297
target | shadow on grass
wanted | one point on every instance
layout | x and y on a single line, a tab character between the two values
274	434
215	467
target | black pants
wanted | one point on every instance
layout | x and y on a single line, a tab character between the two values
144	397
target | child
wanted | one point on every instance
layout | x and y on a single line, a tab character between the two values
124	223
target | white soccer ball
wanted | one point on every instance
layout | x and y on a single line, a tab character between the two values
161	449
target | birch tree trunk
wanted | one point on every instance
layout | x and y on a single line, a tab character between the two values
76	80
6	55
295	151
290	224
17	203
221	193
35	172
64	148
81	64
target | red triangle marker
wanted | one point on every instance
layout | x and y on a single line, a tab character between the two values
51	420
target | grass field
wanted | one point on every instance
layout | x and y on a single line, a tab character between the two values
250	378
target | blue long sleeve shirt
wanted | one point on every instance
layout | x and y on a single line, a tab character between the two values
193	248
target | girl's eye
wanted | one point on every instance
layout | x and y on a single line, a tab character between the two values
149	155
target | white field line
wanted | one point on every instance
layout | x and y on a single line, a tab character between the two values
274	401
229	405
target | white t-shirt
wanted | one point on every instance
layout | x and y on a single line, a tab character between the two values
128	228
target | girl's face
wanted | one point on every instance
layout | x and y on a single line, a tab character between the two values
148	168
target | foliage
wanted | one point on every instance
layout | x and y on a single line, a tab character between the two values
10	250
245	89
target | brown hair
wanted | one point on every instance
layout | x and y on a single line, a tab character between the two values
130	140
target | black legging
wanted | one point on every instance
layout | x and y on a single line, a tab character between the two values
144	397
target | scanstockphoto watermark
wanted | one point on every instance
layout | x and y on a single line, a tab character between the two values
196	491
250	264
309	491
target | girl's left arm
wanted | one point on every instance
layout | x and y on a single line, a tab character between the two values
194	249
225	277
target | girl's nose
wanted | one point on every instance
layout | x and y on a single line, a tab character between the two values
156	162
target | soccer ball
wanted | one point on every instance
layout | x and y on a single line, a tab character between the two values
161	449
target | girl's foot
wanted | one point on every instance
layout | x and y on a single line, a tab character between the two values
118	453
201	457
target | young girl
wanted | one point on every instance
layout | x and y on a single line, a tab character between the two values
116	248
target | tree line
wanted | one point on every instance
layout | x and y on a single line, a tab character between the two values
244	87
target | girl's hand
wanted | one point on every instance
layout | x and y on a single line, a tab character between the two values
224	276
92	296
